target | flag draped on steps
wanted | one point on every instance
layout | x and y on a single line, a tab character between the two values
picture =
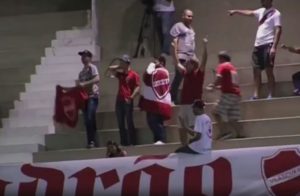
68	103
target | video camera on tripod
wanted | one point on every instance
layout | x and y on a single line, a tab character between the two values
146	23
149	5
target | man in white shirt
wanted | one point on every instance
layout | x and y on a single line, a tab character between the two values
267	39
202	132
164	19
183	47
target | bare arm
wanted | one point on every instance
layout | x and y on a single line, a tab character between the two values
135	92
204	55
174	51
278	32
292	49
113	69
197	137
178	65
92	81
215	84
241	12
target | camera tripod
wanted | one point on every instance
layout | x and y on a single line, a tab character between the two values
144	33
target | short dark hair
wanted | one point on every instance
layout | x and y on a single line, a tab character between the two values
162	60
224	55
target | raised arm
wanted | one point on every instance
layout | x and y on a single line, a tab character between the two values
241	12
204	55
112	69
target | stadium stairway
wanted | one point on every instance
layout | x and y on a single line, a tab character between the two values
29	134
19	141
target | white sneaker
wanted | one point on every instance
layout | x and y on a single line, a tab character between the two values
159	143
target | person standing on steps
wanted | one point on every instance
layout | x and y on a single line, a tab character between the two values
156	99
266	42
164	11
129	87
89	79
193	74
227	112
295	76
183	48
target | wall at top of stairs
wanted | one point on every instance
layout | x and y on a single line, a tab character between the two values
235	34
21	7
23	40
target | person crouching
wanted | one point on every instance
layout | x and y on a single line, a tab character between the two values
156	98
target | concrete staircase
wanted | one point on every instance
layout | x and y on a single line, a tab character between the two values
24	131
265	122
29	133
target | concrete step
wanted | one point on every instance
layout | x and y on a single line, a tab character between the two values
4	109
37	95
44	70
74	34
53	78
254	128
12	158
21	74
72	42
24	139
81	154
104	121
75	59
71	50
25	131
22	148
282	72
275	108
27	121
45	93
11	91
30	87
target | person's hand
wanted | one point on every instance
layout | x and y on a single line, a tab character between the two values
283	46
231	12
210	87
272	54
205	40
79	84
128	100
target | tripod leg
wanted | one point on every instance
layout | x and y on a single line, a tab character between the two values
140	37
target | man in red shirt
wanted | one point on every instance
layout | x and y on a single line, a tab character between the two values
227	112
129	87
193	75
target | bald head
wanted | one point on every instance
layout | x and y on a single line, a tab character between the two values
187	17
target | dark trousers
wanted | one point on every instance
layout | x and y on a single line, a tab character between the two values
156	124
176	84
124	112
163	23
90	120
296	81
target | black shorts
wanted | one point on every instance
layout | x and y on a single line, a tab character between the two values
261	57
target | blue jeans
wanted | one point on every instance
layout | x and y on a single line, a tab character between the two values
163	23
90	120
156	124
125	111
